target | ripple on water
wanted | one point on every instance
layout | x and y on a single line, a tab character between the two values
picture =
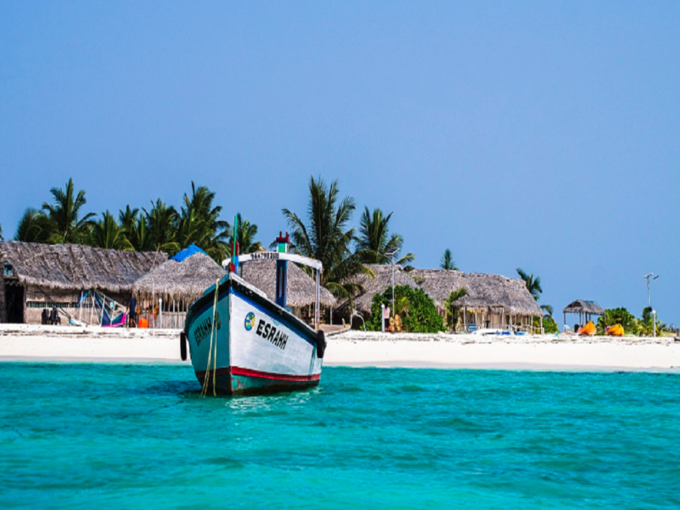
86	435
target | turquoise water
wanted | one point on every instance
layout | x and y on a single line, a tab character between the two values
140	436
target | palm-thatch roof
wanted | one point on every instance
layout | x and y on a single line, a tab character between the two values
185	280
584	306
372	286
301	286
485	292
77	267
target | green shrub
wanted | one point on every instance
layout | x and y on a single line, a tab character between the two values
646	324
549	325
618	316
416	309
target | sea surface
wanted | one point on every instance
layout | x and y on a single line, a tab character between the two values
141	436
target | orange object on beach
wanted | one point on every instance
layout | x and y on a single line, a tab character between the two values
143	323
615	330
589	329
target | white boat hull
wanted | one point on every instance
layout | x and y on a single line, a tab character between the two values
255	346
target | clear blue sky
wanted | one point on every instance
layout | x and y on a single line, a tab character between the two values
542	135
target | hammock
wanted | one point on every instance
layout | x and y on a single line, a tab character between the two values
112	316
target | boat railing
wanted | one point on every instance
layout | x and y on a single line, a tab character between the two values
291	257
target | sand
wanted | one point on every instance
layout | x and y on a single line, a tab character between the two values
359	349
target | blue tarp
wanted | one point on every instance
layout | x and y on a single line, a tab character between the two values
187	252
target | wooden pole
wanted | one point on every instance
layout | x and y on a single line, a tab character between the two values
318	299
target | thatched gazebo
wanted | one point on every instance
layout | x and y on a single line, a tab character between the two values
585	310
38	276
301	296
372	285
177	284
492	301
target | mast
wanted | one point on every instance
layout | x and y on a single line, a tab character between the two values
282	270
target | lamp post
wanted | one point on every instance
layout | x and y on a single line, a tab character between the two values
382	317
651	277
391	253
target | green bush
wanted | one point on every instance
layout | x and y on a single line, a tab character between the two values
646	324
549	325
618	316
416	309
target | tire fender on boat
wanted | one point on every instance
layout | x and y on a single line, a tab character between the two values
183	346
320	344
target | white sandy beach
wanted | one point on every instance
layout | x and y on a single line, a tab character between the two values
359	349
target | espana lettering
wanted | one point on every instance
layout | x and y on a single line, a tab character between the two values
269	332
205	327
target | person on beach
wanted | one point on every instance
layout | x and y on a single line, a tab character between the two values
132	313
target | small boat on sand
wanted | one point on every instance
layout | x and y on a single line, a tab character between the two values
241	342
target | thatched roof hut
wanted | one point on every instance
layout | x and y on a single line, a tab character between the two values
376	285
585	310
301	286
76	267
583	306
179	281
485	292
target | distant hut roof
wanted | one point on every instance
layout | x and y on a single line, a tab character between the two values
377	285
301	286
185	280
77	267
485	291
584	306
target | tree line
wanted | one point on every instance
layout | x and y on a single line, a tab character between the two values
322	233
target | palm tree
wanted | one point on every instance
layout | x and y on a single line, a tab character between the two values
107	233
325	236
375	241
533	283
161	222
64	214
138	235
447	261
199	223
246	233
128	218
547	309
451	309
34	227
1	238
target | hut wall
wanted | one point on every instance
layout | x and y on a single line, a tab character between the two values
172	316
3	306
38	299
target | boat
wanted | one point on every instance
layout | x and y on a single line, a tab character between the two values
243	343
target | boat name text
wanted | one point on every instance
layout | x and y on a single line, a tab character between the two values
269	332
205	327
